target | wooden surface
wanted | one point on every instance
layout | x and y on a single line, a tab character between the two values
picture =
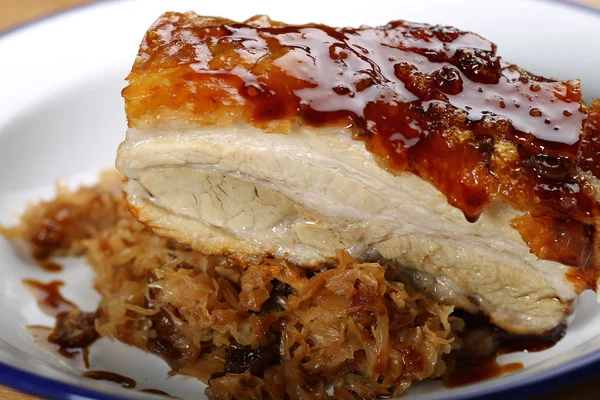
15	12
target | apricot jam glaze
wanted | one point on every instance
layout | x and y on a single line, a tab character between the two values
432	100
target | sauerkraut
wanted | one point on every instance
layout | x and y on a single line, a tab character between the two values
262	331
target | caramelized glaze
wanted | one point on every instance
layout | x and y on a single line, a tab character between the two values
590	145
432	100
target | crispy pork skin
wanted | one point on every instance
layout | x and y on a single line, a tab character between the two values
409	145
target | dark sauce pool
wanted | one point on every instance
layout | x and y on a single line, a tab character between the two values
470	369
473	371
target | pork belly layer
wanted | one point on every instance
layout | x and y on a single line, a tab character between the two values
409	145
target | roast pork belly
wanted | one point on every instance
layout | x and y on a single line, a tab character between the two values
411	145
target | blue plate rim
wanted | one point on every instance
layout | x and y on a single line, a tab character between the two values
38	385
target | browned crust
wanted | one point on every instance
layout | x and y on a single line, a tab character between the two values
194	70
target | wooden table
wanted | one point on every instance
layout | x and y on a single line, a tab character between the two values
15	12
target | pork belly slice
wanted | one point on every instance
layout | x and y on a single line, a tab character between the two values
408	144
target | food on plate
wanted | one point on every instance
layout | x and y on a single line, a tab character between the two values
266	330
306	207
409	145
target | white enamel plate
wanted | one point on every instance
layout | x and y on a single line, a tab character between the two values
61	117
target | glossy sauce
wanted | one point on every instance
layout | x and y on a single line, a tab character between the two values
473	371
157	391
53	340
48	297
470	368
75	357
527	344
124	381
432	100
50	266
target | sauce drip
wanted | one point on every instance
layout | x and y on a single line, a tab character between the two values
48	297
157	391
433	100
71	337
124	381
472	371
50	266
477	359
76	357
74	331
